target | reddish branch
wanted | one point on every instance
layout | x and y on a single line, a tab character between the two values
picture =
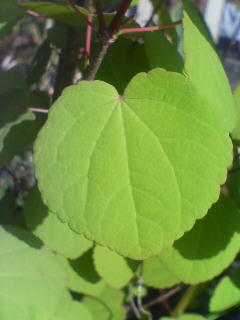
88	43
118	18
107	35
163	297
38	110
35	14
149	29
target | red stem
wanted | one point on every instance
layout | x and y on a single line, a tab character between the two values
35	14
38	110
88	42
149	29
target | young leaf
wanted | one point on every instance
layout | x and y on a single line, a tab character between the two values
227	294
206	73
114	269
55	234
32	279
156	275
132	172
209	248
236	131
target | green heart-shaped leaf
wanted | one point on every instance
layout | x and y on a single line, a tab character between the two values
132	172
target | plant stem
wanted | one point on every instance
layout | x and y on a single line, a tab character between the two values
149	29
38	110
94	66
101	20
117	20
162	297
88	43
188	297
68	62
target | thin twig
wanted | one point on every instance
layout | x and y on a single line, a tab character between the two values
38	110
139	299
35	14
106	39
163	297
166	305
131	301
79	13
94	66
149	29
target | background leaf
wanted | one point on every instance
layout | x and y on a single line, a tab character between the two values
186	317
161	53
60	12
114	269
124	59
156	275
206	73
82	275
18	126
194	14
10	14
32	279
56	235
236	131
209	248
226	294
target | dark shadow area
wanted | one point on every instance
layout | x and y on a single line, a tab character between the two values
24	236
212	234
84	266
35	210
